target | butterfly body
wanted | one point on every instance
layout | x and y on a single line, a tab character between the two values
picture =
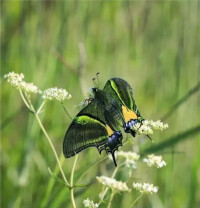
99	123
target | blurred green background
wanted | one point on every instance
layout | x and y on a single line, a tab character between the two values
154	45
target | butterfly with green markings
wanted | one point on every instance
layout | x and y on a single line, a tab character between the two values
99	123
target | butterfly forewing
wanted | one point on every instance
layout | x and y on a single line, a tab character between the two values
121	91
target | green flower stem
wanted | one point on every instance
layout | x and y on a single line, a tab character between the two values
136	200
91	168
51	184
97	164
106	189
30	106
66	111
52	147
41	106
24	99
111	198
71	182
27	96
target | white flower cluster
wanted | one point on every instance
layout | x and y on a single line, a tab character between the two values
152	160
156	124
128	155
130	158
143	129
145	188
16	80
147	126
131	164
56	94
88	203
112	183
30	88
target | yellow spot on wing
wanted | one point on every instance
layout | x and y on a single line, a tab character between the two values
128	114
109	130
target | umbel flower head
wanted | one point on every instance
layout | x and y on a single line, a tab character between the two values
146	127
88	203
112	183
156	124
130	158
145	188
56	94
128	155
153	160
17	81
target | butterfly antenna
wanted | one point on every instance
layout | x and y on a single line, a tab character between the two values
97	75
113	156
94	82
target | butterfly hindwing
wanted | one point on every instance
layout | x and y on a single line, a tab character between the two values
84	132
90	128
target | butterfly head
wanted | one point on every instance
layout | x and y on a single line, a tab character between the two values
95	90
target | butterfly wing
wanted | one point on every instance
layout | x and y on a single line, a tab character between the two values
122	93
90	128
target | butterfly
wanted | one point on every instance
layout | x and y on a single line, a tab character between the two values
99	123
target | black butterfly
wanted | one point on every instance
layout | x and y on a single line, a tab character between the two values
98	124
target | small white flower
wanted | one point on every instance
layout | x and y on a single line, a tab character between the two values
30	88
146	127
130	158
143	128
128	155
16	80
130	164
158	125
112	183
153	160
145	188
56	94
88	203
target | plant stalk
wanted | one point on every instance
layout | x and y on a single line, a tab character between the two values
52	147
136	200
71	182
30	107
106	189
111	198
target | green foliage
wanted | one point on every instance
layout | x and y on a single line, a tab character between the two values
152	45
